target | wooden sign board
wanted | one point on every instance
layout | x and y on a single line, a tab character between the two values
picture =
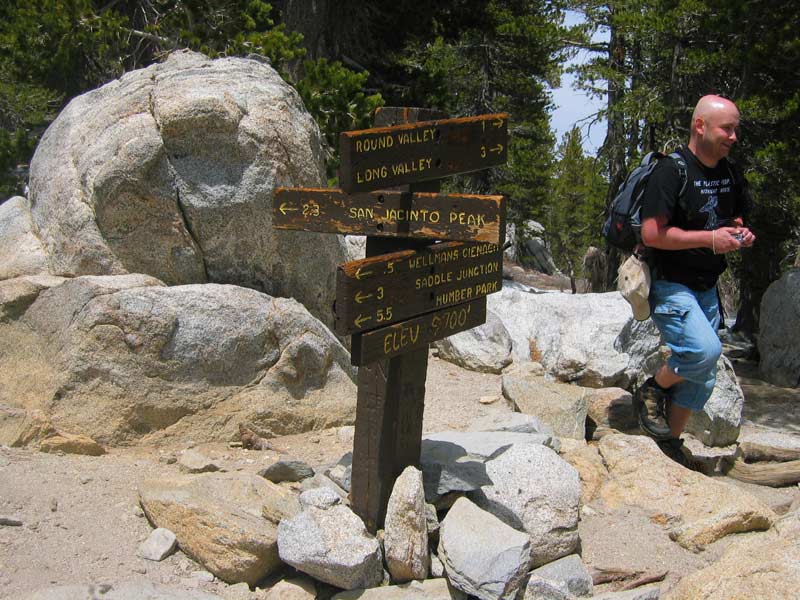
466	217
373	159
375	292
386	342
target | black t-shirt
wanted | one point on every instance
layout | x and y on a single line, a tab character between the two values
713	197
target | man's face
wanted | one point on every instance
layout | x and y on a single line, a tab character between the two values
720	129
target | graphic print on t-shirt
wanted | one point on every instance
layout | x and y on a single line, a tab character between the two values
712	189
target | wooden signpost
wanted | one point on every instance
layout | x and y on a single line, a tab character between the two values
392	214
386	156
409	291
388	288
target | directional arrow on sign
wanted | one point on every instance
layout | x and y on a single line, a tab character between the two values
465	217
374	159
409	283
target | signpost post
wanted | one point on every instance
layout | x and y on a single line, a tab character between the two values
409	291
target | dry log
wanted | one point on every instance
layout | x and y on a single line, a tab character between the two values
644	580
773	474
754	451
602	575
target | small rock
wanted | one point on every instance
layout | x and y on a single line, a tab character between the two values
437	568
140	570
202	576
331	545
432	520
569	572
406	529
341	475
482	555
488	399
53	505
193	461
167	459
287	470
84	479
300	588
239	591
346	434
71	444
159	545
319	497
137	511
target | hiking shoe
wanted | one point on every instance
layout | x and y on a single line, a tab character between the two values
673	448
650	403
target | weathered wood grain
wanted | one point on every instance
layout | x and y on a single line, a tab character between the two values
416	333
376	292
387	213
381	157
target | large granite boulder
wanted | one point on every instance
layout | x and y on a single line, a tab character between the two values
328	541
536	491
482	556
532	249
486	348
696	510
719	422
754	567
125	358
779	331
171	170
561	406
588	339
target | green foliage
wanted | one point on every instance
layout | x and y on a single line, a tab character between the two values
232	28
573	213
334	95
53	50
496	57
662	56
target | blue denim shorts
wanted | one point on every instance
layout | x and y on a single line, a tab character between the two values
688	321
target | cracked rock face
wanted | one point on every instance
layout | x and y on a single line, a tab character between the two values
124	359
171	171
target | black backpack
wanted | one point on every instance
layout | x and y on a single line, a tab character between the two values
623	227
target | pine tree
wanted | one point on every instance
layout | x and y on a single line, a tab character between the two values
573	213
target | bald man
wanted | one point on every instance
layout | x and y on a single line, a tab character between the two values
689	235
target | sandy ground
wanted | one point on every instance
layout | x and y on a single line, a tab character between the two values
81	522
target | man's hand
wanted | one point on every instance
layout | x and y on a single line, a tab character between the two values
728	239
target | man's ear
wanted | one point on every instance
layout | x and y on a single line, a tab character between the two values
700	125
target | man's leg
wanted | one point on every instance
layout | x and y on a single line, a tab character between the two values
687	321
677	416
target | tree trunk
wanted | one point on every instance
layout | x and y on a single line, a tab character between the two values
614	144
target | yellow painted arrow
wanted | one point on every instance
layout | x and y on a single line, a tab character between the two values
498	148
284	209
360	273
498	122
361	320
361	297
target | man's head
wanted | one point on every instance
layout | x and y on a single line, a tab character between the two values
715	124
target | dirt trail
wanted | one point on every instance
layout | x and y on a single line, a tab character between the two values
82	523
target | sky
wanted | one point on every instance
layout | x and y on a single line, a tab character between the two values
572	106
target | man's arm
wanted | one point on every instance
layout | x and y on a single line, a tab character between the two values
656	233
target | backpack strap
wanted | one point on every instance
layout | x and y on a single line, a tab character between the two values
683	173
